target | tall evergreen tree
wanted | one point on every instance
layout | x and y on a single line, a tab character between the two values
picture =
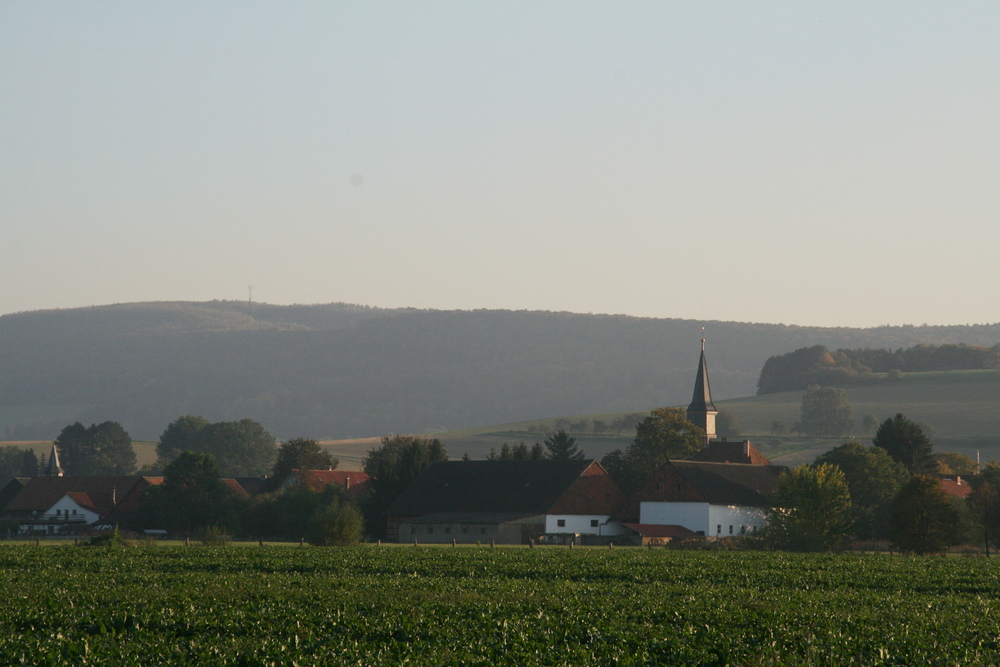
906	442
562	446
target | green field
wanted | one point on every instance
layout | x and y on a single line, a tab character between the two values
476	606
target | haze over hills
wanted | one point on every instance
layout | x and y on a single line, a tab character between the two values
342	370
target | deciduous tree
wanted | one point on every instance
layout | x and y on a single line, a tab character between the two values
664	434
826	411
984	503
874	479
393	466
811	509
923	518
101	449
301	454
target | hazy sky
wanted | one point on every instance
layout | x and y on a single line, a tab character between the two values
833	164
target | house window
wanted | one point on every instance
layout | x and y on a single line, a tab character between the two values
657	486
465	530
607	497
74	512
482	531
430	530
730	529
593	523
561	523
447	530
743	529
678	488
413	530
718	529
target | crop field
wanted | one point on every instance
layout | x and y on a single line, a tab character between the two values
161	605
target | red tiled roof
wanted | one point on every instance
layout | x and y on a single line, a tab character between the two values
656	530
354	481
84	500
234	486
956	486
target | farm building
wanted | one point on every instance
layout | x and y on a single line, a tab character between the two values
711	499
57	505
509	502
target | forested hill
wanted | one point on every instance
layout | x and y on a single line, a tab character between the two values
342	370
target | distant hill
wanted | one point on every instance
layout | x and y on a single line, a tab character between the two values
340	371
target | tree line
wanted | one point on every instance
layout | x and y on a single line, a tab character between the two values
817	365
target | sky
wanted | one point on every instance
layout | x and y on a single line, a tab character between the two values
833	164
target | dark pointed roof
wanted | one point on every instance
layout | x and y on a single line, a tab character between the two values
702	400
52	468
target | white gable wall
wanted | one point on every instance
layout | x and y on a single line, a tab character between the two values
66	506
704	518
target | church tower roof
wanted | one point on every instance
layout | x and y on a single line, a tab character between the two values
702	400
52	468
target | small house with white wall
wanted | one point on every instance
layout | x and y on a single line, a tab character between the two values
507	502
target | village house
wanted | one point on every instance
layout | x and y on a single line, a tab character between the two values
507	502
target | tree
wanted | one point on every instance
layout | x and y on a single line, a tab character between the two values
180	435
192	496
242	449
727	425
984	503
826	411
869	424
16	462
874	479
905	442
953	463
338	524
923	519
393	466
664	434
101	449
300	454
811	509
561	446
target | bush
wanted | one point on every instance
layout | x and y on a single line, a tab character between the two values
112	539
213	536
336	525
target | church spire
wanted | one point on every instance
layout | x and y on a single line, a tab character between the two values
702	411
53	469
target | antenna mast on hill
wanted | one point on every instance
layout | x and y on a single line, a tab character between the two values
249	295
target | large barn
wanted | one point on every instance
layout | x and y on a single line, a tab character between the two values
508	502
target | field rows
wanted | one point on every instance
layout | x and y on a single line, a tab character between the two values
244	606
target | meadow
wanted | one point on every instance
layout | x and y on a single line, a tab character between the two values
157	605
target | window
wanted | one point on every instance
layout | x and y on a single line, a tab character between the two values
657	486
607	497
561	523
74	512
482	531
430	530
593	523
465	530
730	529
447	530
413	530
718	529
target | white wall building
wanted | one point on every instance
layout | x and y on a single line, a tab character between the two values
704	518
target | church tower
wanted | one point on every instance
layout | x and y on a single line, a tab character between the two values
53	469
702	411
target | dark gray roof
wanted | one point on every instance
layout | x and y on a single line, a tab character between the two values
702	400
513	487
469	517
731	483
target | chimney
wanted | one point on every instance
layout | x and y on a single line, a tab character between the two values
114	495
958	480
347	483
746	448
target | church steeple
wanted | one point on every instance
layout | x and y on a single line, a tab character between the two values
702	411
52	468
